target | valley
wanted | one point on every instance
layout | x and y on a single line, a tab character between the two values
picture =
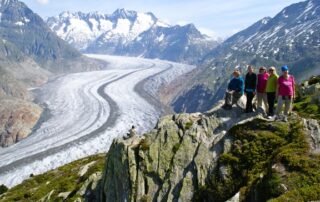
86	111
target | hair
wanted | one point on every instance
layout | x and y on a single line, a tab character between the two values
236	72
252	67
133	127
274	70
262	68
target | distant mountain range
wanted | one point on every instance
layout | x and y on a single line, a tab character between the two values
29	53
133	34
290	38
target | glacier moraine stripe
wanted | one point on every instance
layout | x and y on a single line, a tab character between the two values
139	88
114	114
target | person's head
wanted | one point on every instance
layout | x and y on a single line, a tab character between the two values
133	127
236	73
285	70
250	68
262	70
272	70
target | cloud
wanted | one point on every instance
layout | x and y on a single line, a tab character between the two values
43	2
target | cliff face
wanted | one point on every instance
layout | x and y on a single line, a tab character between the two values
17	119
206	157
18	114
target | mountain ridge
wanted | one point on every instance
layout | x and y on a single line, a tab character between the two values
131	33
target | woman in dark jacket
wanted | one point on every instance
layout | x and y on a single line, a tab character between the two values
250	86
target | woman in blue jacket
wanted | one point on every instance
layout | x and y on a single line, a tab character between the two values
235	90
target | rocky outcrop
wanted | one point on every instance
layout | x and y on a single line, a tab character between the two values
312	129
17	118
172	161
216	156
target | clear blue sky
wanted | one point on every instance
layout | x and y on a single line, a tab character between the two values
218	17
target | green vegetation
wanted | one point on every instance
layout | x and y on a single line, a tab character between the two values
65	179
254	165
3	189
188	125
305	105
314	80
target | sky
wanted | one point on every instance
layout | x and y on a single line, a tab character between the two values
217	18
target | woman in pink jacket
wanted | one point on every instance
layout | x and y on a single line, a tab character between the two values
285	92
261	88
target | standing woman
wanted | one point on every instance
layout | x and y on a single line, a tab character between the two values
286	92
261	88
250	86
271	89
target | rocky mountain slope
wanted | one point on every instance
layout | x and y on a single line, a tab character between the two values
214	156
133	34
290	38
29	54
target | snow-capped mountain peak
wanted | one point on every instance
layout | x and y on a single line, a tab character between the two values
80	29
7	2
126	32
123	14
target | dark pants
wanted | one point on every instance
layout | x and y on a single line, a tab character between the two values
232	98
271	100
250	97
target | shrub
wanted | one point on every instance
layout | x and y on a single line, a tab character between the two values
314	80
3	189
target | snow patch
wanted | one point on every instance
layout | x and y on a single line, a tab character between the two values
284	14
122	27
19	23
160	38
265	21
26	20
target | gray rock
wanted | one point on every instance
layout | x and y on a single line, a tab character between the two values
235	198
312	130
312	89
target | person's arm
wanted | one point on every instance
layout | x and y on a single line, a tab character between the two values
241	87
265	84
293	88
277	88
246	83
255	83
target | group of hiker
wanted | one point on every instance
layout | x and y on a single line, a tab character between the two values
266	86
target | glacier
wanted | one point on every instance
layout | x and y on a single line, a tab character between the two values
88	111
